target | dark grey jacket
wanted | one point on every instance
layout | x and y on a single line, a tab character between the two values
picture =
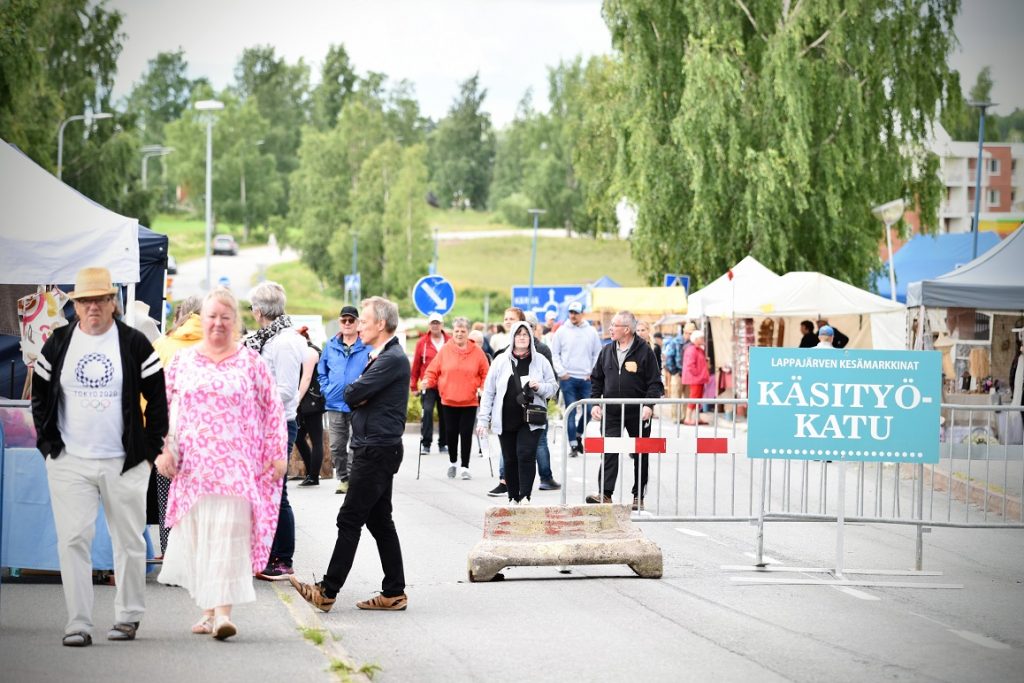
379	398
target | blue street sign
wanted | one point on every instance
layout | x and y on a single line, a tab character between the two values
545	297
433	294
844	404
352	281
676	280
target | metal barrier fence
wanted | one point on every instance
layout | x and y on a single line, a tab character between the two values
702	474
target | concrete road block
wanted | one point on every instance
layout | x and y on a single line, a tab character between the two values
535	536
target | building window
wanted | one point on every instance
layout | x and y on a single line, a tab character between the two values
993	166
993	197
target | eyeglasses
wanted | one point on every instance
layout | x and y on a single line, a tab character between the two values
348	321
89	300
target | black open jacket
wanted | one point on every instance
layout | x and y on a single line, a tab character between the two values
379	398
143	437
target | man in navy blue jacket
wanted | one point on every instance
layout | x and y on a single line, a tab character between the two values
342	361
379	400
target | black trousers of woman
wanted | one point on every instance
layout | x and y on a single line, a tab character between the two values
519	451
311	425
458	429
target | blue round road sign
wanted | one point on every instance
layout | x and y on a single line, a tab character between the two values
433	294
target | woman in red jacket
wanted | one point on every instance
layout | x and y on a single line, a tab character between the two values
458	371
695	374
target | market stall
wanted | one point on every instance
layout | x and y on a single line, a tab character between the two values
48	232
975	315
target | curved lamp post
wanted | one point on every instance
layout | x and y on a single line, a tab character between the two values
890	213
95	116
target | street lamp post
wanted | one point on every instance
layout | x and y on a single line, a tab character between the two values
890	213
433	265
209	106
148	152
95	116
533	253
982	106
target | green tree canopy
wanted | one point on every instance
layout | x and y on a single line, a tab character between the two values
771	128
462	148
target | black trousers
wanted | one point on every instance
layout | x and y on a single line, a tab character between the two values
459	423
519	453
430	398
610	472
368	502
312	452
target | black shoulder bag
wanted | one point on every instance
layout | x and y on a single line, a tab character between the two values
533	414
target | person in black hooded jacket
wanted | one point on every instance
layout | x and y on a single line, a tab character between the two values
626	368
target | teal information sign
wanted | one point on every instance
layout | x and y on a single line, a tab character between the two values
832	404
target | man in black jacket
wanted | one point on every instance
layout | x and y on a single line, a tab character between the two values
89	426
626	368
379	399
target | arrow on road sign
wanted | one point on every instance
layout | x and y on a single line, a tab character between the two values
441	303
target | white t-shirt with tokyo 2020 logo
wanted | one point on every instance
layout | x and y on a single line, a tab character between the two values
90	419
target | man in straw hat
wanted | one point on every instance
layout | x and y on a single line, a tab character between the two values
99	446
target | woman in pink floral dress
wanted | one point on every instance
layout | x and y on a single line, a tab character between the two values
226	479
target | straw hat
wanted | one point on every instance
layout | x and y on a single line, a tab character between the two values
92	282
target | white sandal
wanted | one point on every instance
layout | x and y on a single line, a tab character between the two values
204	626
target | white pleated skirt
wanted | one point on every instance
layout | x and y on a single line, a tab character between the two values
208	552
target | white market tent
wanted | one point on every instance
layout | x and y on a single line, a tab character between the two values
869	320
993	282
48	232
750	279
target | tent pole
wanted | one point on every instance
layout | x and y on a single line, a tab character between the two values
129	306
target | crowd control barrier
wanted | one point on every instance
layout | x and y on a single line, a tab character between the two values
702	474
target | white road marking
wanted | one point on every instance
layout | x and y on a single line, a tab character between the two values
578	480
856	593
979	639
691	532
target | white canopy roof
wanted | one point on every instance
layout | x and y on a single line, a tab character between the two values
815	295
49	231
742	291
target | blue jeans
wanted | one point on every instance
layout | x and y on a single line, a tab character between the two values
283	547
574	390
543	458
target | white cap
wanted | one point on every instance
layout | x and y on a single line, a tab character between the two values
435	317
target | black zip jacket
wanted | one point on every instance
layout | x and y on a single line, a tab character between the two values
143	375
608	380
379	398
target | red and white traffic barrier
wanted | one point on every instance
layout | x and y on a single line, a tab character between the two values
701	445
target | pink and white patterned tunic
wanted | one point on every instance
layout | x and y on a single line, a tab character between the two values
230	427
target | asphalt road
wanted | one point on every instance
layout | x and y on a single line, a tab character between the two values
242	271
590	624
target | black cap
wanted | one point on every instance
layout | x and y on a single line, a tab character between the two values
349	310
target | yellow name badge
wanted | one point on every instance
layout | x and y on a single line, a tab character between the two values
630	366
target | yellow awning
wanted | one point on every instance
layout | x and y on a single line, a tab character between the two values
639	300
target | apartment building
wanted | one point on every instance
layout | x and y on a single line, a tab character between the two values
1002	184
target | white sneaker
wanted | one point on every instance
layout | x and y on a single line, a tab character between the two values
451	471
464	473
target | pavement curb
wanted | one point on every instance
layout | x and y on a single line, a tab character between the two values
308	618
970	492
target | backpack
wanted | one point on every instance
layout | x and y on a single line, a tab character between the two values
313	402
673	361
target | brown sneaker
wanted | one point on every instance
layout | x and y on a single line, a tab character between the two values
598	498
638	504
312	593
397	603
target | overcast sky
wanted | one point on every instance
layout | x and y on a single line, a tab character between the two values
436	44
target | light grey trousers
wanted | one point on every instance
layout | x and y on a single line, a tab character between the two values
77	485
